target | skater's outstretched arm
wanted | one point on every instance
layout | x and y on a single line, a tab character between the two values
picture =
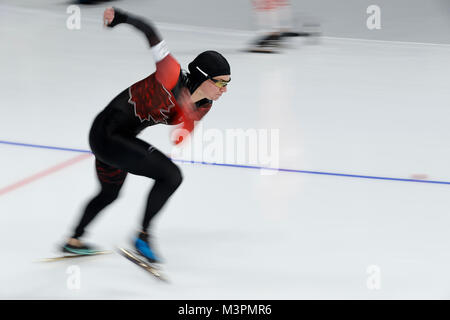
114	16
167	67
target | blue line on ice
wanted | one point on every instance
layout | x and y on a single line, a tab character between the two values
242	166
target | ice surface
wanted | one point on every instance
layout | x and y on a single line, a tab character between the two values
353	107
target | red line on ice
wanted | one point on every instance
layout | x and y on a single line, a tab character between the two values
43	174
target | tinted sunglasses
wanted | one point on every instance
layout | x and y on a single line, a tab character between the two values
218	83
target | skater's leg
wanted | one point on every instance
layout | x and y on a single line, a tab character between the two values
140	158
167	177
137	157
111	180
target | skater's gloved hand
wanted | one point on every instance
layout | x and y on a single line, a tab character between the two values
179	135
113	16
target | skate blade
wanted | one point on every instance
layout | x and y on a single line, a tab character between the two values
155	265
71	256
141	263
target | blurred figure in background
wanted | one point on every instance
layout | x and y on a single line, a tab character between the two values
90	1
274	19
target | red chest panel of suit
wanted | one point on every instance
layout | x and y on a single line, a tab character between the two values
152	101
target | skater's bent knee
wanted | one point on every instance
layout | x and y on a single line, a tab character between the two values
175	178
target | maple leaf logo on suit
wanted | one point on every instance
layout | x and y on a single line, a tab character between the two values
152	102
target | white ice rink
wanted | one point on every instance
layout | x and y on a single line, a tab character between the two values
377	109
